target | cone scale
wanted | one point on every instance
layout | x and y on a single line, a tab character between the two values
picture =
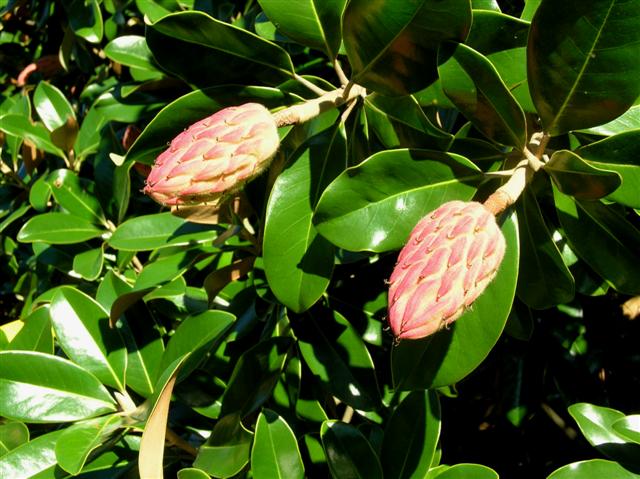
451	256
214	157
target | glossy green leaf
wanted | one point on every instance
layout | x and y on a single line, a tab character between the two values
375	205
492	31
530	7
12	435
76	195
543	280
613	248
411	436
192	473
512	66
573	176
196	335
16	214
159	231
79	440
52	106
204	51
194	107
83	332
227	450
255	375
166	268
40	194
349	454
111	286
336	354
297	261
628	427
58	228
449	355
472	83
36	133
593	469
619	153
465	471
38	387
399	122
581	62
36	334
630	120
132	51
392	45
85	19
315	23
88	264
596	423
275	452
31	458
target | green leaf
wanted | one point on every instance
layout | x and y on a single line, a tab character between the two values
530	7
192	473
337	356
85	19
255	375
581	62
613	246
573	176
132	51
58	228
227	450
315	23
349	454
196	335
465	471
21	127
12	435
204	51
275	452
593	469
392	45
83	332
39	387
449	355
399	122
159	231
596	423
543	280
31	458
411	436
619	153
88	264
297	261
472	83
76	195
628	427
79	440
36	334
194	107
375	205
52	106
40	194
627	121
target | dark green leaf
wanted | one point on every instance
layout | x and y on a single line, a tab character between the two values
628	121
275	453
464	471
85	19
392	45
76	195
204	51
297	261
543	280
375	205
38	387
573	176
411	436
58	228
448	356
581	62
349	454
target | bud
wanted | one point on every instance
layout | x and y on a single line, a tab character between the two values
452	254
214	157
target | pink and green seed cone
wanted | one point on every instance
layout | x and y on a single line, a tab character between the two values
451	256
214	156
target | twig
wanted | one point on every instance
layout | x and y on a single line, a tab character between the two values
175	440
311	86
340	72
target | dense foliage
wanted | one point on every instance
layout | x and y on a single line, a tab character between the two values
248	337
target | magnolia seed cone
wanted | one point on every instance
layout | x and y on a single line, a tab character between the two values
214	157
452	254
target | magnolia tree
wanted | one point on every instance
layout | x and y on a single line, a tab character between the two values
286	239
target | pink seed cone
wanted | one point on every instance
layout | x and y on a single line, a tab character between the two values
214	156
452	254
